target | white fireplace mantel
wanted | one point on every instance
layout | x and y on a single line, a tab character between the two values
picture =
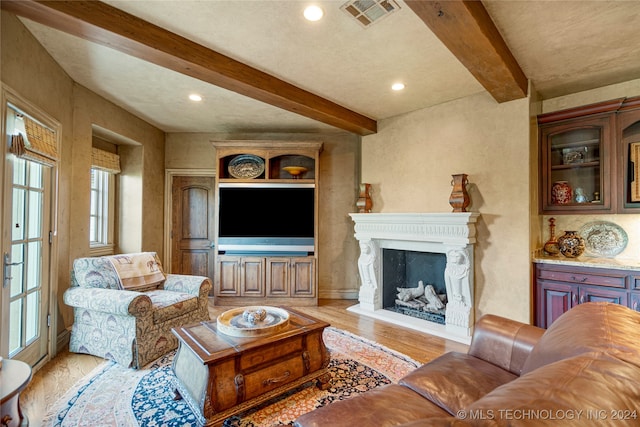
448	233
444	228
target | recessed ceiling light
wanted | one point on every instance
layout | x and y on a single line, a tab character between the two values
397	86
195	97
313	13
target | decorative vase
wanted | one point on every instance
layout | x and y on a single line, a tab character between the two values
364	203
580	196
552	247
571	244
561	193
459	198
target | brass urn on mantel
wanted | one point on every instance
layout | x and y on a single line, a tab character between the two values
364	203
459	198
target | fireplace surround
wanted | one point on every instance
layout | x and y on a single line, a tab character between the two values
451	234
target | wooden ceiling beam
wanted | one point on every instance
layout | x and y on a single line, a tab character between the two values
467	30
108	26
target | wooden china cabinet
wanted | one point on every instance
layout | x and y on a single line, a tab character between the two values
595	149
577	149
266	223
628	155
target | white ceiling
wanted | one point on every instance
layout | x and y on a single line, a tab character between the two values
562	47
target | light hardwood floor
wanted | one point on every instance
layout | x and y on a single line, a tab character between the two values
66	369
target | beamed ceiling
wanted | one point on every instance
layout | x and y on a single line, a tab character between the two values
261	67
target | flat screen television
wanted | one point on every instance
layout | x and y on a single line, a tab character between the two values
266	218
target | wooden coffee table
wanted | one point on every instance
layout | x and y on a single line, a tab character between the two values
220	375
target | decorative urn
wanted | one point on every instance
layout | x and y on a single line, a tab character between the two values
561	193
459	199
571	244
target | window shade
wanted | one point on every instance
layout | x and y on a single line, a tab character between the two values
38	145
104	160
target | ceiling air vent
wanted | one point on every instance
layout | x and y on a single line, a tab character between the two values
366	12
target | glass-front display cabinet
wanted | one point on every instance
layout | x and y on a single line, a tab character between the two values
628	125
576	163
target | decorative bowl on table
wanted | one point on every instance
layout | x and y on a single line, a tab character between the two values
252	321
295	171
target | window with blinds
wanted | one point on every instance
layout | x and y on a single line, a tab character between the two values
102	212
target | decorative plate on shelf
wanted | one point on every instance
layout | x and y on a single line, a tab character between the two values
603	238
246	166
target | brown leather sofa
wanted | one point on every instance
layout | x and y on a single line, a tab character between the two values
584	371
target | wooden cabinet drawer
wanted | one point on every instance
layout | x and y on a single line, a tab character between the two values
265	354
271	377
611	279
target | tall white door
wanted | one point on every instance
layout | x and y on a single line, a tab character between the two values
25	255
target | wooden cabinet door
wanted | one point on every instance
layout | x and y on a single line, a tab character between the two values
595	294
553	299
634	301
252	276
228	278
578	152
278	277
628	124
303	274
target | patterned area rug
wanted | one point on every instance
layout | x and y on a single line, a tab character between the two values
115	396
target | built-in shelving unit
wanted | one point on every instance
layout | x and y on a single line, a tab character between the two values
267	222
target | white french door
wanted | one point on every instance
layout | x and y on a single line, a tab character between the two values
25	255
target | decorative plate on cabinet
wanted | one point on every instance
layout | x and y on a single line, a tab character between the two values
603	238
246	166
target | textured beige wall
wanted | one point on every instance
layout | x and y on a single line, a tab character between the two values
411	159
32	74
147	221
130	204
339	169
535	231
605	93
190	151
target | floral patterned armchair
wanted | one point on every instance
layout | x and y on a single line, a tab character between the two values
131	327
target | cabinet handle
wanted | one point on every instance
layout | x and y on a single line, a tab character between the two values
270	381
575	279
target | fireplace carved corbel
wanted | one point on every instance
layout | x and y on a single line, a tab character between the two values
459	292
368	267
